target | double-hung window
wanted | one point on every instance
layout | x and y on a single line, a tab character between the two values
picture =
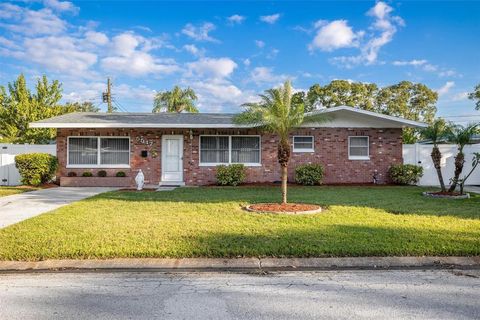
358	148
303	144
93	152
229	149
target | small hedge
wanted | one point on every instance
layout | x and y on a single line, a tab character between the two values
87	174
231	175
102	173
405	174
36	168
309	174
121	174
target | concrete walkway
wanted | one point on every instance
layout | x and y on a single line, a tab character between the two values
19	207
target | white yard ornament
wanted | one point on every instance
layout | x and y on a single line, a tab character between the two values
140	180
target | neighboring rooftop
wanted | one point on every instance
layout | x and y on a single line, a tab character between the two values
342	116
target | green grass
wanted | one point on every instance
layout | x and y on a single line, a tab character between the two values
7	191
209	222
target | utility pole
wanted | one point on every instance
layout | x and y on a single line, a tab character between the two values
107	96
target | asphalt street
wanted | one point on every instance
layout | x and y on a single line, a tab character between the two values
413	294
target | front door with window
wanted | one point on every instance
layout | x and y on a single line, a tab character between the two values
172	159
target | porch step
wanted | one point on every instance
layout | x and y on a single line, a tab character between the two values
163	188
171	184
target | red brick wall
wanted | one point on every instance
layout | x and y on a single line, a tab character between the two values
331	150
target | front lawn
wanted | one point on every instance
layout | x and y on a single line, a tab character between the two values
209	222
7	191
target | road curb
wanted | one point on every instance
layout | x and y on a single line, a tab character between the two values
241	264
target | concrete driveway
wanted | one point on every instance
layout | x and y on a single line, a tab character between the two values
19	207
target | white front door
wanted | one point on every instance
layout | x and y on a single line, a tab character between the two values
172	158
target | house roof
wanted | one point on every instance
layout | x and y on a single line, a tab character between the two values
342	116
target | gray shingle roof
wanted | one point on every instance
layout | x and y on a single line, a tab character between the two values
352	117
127	119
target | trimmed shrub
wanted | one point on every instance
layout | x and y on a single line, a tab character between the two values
309	174
102	173
120	174
36	168
71	174
405	174
87	174
231	175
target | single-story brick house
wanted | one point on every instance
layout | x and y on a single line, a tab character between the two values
184	149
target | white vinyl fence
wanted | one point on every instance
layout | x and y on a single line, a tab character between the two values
9	175
419	154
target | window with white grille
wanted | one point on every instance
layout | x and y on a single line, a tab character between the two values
303	144
94	152
358	148
229	149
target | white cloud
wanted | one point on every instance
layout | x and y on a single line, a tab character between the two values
447	73
259	43
380	33
445	88
461	96
97	38
212	68
413	62
10	11
334	35
41	22
194	50
266	75
236	19
61	6
130	55
60	54
270	19
199	33
247	62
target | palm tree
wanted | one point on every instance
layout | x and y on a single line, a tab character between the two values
278	114
437	131
177	100
461	136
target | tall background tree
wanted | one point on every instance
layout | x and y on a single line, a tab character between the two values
19	106
176	100
413	101
475	96
278	113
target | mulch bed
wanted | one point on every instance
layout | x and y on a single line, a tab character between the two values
294	208
446	195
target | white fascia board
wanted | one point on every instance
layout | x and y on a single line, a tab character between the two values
130	125
405	122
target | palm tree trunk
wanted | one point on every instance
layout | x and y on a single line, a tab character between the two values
283	158
436	159
284	184
459	161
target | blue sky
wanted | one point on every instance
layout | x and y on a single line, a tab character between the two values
231	51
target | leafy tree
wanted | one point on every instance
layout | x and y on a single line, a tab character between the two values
177	100
461	136
437	131
343	93
277	113
475	96
85	106
413	101
19	106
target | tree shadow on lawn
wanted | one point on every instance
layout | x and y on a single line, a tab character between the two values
267	240
338	240
392	199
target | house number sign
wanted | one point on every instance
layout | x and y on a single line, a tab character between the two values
144	141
